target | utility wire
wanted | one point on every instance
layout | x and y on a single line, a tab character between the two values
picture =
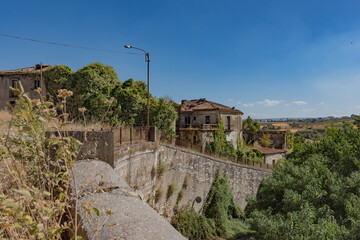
68	45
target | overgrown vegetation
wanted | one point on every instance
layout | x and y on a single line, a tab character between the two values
220	215
158	194
170	191
252	126
34	193
266	140
95	84
161	169
220	144
314	194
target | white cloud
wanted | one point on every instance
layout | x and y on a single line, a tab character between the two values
322	103
230	100
357	106
248	105
308	110
299	103
238	102
269	103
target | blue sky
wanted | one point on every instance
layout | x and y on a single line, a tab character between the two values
266	58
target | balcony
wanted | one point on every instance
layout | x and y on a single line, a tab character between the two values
207	127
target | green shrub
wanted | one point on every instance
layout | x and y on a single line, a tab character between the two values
158	194
180	196
254	155
266	140
220	216
314	194
170	191
192	225
161	169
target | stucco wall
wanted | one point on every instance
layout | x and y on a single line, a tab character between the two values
276	156
193	173
27	82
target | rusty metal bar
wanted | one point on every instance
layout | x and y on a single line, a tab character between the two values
120	135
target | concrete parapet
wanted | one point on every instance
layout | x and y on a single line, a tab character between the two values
116	211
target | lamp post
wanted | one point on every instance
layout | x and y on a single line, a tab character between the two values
147	59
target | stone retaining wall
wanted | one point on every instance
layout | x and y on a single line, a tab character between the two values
153	169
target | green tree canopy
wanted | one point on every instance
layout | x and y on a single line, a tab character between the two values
93	86
314	194
56	78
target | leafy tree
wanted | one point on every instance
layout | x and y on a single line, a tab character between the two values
357	121
132	106
254	155
253	127
289	140
163	115
266	140
92	86
220	137
220	206
55	78
314	194
97	88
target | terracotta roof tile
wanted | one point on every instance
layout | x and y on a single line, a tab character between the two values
271	150
35	68
204	105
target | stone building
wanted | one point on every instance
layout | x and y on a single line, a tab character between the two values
198	121
30	78
272	155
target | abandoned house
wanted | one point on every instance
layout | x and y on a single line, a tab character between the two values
30	78
198	121
272	155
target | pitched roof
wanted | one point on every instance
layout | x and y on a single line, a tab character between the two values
266	151
36	68
204	105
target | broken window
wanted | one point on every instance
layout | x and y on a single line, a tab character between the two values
36	83
15	85
187	120
207	119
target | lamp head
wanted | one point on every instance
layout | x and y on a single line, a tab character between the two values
127	46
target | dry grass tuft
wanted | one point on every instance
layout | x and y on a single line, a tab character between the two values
5	115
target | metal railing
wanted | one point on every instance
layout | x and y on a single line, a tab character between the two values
130	135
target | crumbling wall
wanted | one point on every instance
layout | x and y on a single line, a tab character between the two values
278	137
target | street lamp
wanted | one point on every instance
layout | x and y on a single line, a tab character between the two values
147	59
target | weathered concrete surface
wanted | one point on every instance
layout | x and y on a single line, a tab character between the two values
122	215
190	173
96	144
92	176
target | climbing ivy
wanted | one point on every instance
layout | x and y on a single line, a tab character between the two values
220	216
